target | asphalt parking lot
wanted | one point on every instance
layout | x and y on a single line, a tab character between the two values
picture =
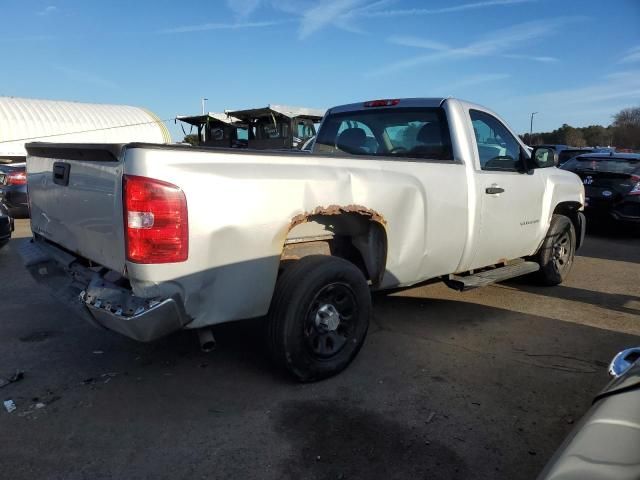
483	385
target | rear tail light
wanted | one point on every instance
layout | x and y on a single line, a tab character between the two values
382	103
16	178
156	223
635	180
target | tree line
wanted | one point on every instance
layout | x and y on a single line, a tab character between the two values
623	133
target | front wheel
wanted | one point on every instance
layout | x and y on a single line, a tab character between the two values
319	317
557	252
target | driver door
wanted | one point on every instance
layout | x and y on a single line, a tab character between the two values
511	201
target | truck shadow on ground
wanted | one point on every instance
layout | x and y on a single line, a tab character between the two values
334	440
611	301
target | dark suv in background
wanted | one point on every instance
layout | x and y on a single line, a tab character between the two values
611	183
568	153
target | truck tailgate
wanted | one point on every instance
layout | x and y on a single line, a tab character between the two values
75	195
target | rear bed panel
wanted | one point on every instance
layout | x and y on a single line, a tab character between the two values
85	215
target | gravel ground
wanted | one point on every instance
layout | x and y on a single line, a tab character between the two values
484	384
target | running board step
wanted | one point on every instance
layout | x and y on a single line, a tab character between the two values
487	277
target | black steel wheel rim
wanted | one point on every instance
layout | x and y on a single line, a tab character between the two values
331	320
562	252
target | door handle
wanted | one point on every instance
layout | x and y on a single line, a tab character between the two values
494	190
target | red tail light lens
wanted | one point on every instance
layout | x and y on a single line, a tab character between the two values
382	103
155	220
16	178
635	179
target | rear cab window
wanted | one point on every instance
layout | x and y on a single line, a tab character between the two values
413	133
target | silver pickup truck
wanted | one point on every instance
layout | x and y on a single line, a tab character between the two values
147	239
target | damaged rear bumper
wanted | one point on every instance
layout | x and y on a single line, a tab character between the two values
99	296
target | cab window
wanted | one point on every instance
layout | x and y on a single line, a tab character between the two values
498	150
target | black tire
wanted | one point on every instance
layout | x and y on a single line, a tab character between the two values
319	317
557	252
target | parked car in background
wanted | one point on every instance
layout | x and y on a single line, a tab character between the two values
6	226
568	153
13	189
606	442
556	147
612	184
606	150
147	239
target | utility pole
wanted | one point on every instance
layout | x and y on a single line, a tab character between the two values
531	128
203	100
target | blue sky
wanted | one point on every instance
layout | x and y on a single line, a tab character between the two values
573	61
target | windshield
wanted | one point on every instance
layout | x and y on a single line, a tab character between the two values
611	165
400	132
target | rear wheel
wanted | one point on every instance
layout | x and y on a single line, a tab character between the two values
557	252
319	317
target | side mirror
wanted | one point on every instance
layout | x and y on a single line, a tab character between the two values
543	157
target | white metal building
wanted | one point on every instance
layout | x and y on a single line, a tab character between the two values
24	120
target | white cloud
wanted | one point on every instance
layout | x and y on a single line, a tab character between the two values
451	9
533	58
315	16
615	86
243	8
579	104
217	26
631	56
47	10
419	43
344	14
293	7
327	13
497	44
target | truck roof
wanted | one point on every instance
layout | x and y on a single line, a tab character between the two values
288	111
402	102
